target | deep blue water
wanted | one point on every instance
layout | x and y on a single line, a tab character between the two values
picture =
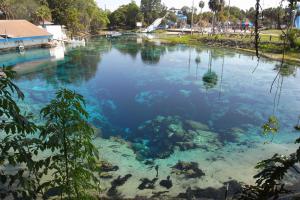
128	82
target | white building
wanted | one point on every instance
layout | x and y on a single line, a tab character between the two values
57	31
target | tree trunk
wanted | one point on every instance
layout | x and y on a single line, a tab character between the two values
66	164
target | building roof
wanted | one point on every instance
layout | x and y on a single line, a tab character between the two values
20	28
46	23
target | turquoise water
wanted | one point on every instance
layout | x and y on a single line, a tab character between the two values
159	97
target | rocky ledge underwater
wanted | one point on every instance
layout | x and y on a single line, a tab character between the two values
172	158
160	137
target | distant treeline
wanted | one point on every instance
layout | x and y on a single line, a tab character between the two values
79	16
126	16
82	16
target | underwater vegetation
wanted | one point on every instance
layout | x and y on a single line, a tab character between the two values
158	138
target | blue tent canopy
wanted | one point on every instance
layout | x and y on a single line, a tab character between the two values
182	17
297	21
250	24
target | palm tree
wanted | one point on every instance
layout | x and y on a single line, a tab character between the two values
210	78
197	61
215	6
201	6
43	13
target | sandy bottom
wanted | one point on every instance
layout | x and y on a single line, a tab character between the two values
229	163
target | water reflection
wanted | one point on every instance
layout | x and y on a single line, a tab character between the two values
210	78
62	64
151	54
286	69
109	74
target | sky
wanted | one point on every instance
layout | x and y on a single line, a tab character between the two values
244	4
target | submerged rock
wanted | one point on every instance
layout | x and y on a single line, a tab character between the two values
158	195
116	183
158	138
194	125
166	183
207	140
106	166
147	184
188	169
105	175
229	190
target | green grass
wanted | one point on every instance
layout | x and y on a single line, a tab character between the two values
272	32
273	48
185	39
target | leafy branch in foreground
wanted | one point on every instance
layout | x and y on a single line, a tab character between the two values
269	181
24	148
18	145
69	136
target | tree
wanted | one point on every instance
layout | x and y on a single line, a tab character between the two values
6	9
133	14
126	16
216	6
69	136
99	20
66	133
73	23
78	15
186	10
15	9
152	9
201	5
43	13
117	18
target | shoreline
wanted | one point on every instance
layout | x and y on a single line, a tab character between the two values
226	43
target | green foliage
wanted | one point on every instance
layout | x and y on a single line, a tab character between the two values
78	15
126	16
69	136
17	9
216	5
272	126
66	134
152	9
293	36
43	13
18	145
270	179
201	4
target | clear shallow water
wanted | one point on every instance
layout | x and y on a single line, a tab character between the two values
165	97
